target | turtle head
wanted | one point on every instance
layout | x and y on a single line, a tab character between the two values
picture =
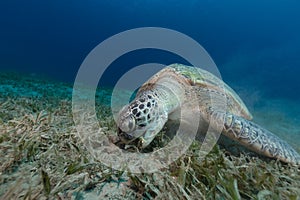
140	119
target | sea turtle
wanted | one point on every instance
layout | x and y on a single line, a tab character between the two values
160	97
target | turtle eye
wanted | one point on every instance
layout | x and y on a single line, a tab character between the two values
131	124
128	124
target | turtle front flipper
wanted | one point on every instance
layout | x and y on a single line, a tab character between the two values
254	137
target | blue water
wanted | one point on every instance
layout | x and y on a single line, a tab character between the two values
254	43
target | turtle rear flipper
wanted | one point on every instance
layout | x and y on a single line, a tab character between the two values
254	137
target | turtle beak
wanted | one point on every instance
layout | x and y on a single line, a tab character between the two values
125	137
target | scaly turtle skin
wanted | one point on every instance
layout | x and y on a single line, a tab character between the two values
159	99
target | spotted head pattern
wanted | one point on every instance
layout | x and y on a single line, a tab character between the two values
140	117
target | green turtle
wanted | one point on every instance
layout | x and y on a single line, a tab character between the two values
159	99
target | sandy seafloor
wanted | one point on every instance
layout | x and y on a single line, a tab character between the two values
25	104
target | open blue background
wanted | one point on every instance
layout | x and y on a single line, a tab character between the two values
254	43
